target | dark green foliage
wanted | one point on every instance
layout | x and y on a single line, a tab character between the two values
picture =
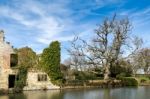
50	61
80	75
129	81
21	79
75	83
121	75
98	72
117	70
84	76
143	80
121	67
93	74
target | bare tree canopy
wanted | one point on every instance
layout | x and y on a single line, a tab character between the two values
106	48
143	60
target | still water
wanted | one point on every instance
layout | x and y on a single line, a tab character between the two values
114	93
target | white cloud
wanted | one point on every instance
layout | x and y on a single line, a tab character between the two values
50	21
140	20
47	25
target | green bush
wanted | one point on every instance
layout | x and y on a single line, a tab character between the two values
143	79
84	75
121	75
117	70
129	81
18	87
21	80
75	83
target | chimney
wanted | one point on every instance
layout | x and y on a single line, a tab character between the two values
2	38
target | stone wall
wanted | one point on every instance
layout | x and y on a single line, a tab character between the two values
4	77
5	51
34	84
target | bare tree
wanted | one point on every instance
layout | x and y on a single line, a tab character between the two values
110	37
106	46
133	57
143	57
77	55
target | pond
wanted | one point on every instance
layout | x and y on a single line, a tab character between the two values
96	93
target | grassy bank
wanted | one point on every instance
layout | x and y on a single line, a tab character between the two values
144	80
126	81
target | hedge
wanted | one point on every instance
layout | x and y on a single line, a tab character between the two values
129	81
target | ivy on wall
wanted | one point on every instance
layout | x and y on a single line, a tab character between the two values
50	61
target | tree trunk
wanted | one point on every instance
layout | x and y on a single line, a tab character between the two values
106	73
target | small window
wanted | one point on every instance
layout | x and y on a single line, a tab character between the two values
13	60
42	77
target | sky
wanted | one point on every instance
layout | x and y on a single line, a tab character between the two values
36	23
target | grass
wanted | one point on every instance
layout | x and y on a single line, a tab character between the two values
143	80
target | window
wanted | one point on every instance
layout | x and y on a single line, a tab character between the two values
13	60
42	77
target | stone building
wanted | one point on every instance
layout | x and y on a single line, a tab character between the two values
7	75
36	79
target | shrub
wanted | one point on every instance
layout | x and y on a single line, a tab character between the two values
129	81
80	75
143	80
116	70
21	80
75	83
18	87
121	75
122	66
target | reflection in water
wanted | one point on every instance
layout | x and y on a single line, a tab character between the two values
116	93
17	96
52	94
106	94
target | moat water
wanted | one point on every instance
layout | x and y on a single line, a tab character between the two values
96	93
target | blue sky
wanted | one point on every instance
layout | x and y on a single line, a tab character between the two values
35	23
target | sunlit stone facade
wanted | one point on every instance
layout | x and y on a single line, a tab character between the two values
36	79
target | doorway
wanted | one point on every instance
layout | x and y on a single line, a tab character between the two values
11	81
